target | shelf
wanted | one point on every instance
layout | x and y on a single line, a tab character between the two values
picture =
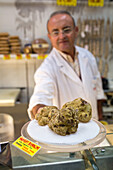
22	56
108	109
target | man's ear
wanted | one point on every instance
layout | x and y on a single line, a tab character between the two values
76	31
49	36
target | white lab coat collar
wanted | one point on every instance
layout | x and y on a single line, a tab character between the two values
70	72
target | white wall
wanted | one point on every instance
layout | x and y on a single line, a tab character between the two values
14	13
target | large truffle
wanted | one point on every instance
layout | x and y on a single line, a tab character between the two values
82	109
64	122
42	116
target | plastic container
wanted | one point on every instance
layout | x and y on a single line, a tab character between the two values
6	128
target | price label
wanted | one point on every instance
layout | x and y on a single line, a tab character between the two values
6	57
67	2
19	56
96	3
43	56
26	146
28	56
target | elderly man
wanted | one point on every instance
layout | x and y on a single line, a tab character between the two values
68	72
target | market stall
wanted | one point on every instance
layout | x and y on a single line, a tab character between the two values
23	48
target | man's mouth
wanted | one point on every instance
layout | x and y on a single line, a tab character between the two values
63	42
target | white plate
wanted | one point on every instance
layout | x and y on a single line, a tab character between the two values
44	134
87	135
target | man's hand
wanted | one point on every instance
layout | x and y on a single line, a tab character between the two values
36	109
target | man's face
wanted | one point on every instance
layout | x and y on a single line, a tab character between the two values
62	33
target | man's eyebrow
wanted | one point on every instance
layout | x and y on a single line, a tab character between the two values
66	27
55	30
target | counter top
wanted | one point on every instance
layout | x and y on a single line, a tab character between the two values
8	97
109	129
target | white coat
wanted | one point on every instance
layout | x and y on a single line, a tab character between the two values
57	83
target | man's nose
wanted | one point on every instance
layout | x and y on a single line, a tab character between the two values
61	34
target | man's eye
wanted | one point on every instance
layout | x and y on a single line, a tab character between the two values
67	30
55	32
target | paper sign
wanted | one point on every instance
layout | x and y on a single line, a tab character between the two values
6	57
67	2
43	56
26	146
96	3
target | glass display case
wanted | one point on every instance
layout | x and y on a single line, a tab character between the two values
93	156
